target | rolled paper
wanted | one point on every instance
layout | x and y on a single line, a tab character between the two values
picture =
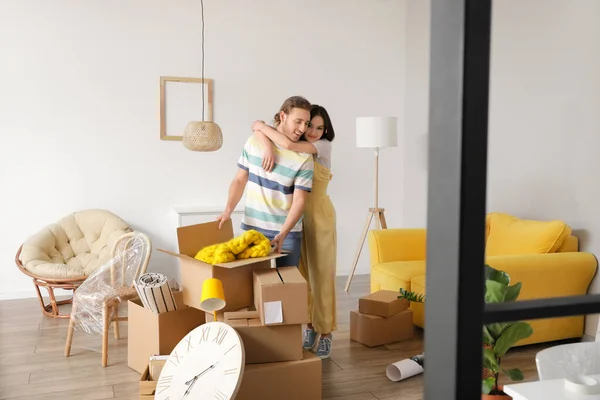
155	292
403	369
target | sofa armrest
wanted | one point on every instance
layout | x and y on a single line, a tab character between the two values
387	245
548	275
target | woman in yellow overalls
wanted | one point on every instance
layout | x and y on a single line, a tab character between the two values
319	239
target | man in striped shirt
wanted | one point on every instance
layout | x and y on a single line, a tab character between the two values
275	199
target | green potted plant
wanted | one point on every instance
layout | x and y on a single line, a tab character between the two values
498	338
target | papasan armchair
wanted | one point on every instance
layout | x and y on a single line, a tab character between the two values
62	255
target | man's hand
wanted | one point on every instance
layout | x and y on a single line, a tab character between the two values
223	218
278	242
268	161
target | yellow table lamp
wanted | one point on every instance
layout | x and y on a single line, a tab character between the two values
213	298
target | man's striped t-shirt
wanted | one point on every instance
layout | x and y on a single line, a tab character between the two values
269	194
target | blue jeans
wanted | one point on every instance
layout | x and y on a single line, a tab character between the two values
291	244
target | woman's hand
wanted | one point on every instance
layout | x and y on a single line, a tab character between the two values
268	161
258	125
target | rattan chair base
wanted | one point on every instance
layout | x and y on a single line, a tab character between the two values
52	308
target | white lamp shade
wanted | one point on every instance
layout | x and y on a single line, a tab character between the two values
376	132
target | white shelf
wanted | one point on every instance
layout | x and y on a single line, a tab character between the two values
193	214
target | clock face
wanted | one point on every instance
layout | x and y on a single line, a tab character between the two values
208	363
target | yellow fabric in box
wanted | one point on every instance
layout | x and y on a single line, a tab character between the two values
509	235
250	244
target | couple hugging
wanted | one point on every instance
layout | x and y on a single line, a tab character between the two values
287	169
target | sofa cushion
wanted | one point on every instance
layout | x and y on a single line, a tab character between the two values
401	271
509	235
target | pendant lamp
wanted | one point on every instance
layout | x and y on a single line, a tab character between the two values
202	135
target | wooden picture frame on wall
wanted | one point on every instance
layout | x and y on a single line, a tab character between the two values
181	102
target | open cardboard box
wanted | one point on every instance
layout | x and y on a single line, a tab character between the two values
151	333
149	379
236	276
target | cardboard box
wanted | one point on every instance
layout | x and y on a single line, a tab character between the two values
292	380
236	276
149	379
281	296
266	344
383	303
246	314
150	333
373	330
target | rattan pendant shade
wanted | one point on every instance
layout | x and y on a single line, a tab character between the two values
202	136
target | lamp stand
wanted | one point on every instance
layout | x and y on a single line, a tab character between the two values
374	212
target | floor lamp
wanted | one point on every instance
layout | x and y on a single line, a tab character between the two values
374	133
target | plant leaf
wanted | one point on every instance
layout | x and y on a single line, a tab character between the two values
512	292
489	360
495	292
487	337
514	374
411	296
487	385
495	275
510	336
496	328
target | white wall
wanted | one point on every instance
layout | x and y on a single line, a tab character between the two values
544	96
79	104
414	148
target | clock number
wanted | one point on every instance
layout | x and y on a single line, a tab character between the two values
220	395
176	358
204	337
230	371
231	348
189	343
220	335
165	383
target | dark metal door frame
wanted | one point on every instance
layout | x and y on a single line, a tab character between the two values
457	183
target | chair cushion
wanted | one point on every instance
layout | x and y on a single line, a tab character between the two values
509	235
74	246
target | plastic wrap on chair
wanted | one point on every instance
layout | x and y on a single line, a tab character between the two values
569	361
106	284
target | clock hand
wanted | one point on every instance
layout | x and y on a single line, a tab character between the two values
193	380
201	373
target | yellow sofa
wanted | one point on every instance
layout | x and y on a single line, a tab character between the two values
543	255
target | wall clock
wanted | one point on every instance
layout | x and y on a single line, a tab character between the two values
208	363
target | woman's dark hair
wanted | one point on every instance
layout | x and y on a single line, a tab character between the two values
320	111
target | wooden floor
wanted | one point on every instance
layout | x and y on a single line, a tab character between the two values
32	364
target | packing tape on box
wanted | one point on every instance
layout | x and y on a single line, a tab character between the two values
155	293
404	369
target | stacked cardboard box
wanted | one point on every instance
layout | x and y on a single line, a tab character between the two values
381	319
267	307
